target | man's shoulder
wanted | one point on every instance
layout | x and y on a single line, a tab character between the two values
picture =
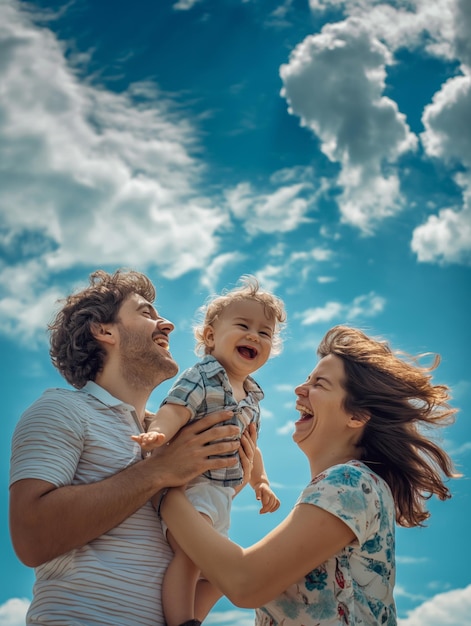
56	397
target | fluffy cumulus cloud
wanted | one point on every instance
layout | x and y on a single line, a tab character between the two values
445	609
13	612
446	237
334	82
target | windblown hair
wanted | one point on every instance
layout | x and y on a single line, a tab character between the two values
396	395
249	289
74	350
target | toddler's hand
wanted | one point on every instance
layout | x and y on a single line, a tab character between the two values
150	440
267	497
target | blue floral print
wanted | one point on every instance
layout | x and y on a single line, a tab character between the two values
354	587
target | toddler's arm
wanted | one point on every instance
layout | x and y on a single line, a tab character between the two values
260	484
165	424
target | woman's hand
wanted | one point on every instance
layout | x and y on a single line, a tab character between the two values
248	445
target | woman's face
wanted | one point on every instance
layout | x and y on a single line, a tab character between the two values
320	401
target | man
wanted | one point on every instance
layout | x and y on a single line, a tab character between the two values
80	510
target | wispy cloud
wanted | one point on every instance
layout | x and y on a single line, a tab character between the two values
281	210
368	305
89	176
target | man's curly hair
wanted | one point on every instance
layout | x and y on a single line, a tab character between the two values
73	348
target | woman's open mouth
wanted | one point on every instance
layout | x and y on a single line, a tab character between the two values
305	412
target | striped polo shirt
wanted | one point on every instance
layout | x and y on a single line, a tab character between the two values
70	437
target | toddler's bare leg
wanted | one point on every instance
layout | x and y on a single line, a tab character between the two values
179	587
206	597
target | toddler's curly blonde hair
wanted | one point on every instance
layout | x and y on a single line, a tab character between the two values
249	289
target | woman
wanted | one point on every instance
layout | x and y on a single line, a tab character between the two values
331	561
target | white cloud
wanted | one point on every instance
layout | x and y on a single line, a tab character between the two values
357	125
368	305
461	449
410	560
301	263
286	429
461	390
13	612
270	276
185	5
440	28
444	120
235	617
216	267
88	176
402	25
365	306
445	609
444	238
317	315
27	303
462	14
283	388
282	210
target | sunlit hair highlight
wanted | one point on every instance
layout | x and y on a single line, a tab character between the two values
397	397
248	289
74	350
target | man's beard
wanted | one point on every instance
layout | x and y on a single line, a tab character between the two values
142	365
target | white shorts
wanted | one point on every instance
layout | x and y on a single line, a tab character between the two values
213	501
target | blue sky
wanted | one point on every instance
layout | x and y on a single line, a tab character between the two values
323	146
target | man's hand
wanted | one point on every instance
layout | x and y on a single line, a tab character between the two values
188	454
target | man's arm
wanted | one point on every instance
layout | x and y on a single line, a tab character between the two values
46	521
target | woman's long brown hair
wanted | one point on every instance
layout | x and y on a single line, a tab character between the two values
402	405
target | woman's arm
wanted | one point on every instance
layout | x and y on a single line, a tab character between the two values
252	576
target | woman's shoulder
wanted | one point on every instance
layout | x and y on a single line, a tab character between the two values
344	477
354	493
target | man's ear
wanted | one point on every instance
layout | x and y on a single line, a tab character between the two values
208	337
103	332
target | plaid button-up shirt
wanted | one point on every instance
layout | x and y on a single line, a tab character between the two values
205	388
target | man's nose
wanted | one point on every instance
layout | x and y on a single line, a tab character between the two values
165	325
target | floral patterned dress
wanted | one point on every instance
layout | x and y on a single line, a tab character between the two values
355	586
